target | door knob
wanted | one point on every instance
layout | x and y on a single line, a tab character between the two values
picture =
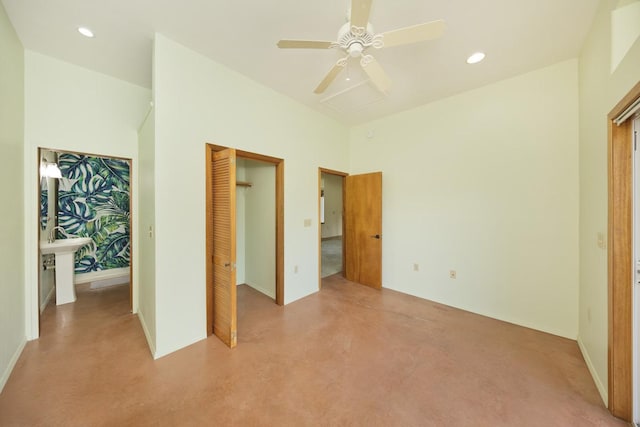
376	236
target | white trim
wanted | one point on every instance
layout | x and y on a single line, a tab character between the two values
630	111
12	363
604	393
105	283
152	346
47	299
95	276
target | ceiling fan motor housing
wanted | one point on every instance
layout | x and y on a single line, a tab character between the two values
357	36
354	40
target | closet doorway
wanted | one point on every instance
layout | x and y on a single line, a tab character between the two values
245	233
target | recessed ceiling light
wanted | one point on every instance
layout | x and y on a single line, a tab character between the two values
475	58
85	32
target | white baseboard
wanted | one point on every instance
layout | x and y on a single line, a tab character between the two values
109	282
604	393
143	323
47	299
96	276
12	364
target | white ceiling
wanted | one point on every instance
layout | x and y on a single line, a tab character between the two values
517	36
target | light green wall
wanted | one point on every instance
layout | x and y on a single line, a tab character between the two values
12	300
260	227
625	29
198	101
484	183
600	91
70	108
147	257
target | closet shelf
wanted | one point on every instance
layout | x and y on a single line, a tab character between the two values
243	184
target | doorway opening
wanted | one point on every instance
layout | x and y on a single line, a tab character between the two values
361	226
256	225
232	222
83	196
331	222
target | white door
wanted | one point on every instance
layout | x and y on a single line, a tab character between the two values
636	269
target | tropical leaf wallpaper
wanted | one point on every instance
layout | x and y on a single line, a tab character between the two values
93	201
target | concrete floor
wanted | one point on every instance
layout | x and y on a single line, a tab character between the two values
331	256
348	355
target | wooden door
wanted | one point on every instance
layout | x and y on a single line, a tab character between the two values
224	246
363	229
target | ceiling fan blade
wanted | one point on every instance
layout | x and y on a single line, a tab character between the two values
376	74
304	44
329	78
416	33
360	13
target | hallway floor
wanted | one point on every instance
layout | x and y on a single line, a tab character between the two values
348	355
331	256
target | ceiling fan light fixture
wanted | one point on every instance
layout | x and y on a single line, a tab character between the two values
86	32
475	58
355	49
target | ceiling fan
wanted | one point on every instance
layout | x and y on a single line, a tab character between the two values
357	36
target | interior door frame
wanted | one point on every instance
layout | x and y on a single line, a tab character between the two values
343	175
620	259
279	165
129	161
635	294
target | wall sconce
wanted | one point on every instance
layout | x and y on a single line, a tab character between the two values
50	170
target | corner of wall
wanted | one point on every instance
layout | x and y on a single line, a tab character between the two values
12	363
604	393
150	340
12	245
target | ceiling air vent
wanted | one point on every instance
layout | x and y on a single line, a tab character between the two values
353	98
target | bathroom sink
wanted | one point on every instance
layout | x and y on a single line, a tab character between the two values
64	245
64	250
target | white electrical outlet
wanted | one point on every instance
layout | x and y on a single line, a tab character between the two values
295	268
452	274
